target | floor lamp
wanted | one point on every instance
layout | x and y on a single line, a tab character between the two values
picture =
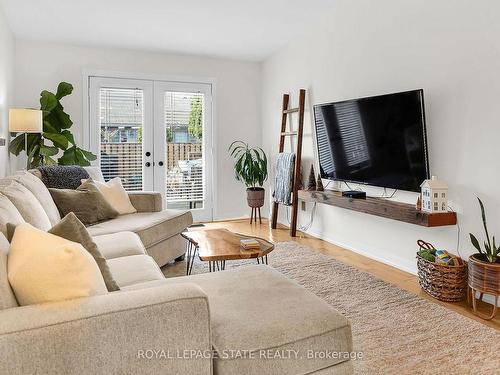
24	120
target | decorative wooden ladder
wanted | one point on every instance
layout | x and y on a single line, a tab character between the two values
298	154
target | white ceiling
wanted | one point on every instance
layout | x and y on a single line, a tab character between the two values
247	30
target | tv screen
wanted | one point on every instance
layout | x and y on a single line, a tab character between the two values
380	140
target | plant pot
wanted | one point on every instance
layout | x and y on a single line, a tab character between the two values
484	277
255	197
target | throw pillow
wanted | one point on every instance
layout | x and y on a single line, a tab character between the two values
87	202
116	195
62	176
40	191
72	229
9	214
28	206
42	267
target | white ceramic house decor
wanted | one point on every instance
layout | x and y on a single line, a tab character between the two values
434	195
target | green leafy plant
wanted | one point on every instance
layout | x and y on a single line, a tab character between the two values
491	251
56	123
195	126
250	164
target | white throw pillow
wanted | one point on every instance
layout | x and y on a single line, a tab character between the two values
116	195
42	267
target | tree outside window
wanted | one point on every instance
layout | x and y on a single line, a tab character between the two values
195	126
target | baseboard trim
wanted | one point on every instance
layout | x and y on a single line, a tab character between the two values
412	269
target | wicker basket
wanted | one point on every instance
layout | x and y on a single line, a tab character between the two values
441	281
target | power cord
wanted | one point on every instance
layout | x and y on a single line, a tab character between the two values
306	227
388	197
458	234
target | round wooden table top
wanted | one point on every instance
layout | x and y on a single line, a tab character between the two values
222	244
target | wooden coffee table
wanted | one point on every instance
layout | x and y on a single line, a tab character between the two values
215	246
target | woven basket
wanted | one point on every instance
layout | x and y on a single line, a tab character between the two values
446	283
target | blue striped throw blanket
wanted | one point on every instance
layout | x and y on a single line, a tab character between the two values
285	163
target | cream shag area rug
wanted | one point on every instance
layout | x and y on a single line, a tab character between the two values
398	332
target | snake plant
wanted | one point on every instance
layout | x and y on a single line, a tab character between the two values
491	251
250	164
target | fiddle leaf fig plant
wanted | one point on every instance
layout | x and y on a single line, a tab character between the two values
56	123
250	164
491	251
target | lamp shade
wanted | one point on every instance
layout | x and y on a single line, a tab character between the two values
23	120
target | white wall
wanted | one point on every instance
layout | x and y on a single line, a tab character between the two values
448	48
42	66
6	88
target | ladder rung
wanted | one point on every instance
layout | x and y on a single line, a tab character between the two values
291	110
284	134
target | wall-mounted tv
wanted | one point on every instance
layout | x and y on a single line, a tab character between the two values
379	140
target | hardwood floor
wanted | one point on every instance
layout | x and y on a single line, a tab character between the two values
385	272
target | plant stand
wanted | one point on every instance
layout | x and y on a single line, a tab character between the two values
472	295
484	278
253	215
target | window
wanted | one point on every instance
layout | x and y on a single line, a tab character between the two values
443	207
443	195
435	195
436	206
121	121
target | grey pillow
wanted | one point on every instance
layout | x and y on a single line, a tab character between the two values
73	229
86	202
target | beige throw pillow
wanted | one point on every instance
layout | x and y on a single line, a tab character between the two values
73	229
116	195
26	203
42	267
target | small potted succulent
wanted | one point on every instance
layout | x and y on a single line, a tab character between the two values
484	268
250	166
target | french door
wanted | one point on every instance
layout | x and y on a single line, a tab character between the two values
155	135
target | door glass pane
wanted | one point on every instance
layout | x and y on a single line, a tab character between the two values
184	152
121	123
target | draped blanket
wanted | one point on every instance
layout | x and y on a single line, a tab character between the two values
62	176
285	163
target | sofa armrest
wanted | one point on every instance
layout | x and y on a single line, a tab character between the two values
146	201
128	332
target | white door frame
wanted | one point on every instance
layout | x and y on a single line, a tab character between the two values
86	105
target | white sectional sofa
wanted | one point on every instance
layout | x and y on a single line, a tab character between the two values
251	320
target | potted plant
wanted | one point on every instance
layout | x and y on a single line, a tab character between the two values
250	166
484	268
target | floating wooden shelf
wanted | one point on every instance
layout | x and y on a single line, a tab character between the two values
381	207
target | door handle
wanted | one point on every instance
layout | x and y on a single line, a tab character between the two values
148	164
160	163
148	153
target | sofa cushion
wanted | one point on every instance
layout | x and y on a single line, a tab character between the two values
28	206
40	191
8	214
134	269
115	194
255	308
86	202
120	244
73	229
152	227
7	298
43	268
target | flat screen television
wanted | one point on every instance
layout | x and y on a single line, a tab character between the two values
379	140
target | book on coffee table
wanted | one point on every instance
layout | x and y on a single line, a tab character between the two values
249	243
